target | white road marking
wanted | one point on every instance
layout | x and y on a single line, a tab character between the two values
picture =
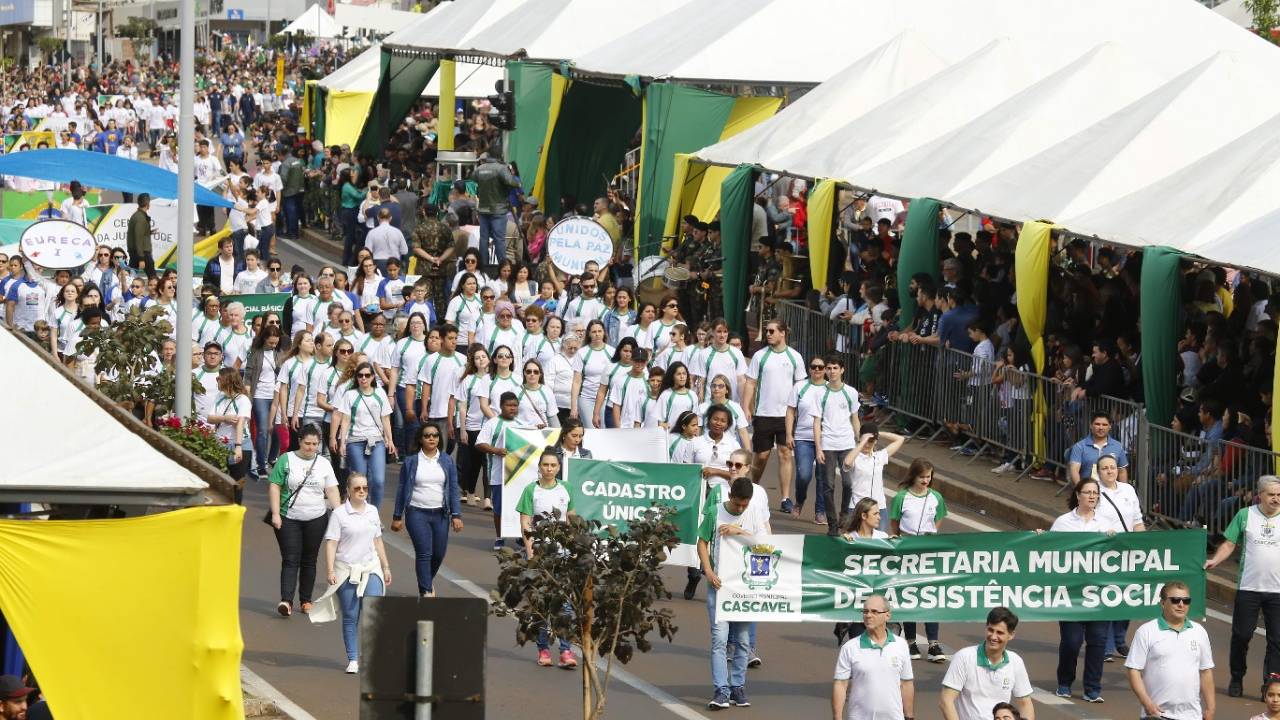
263	689
665	699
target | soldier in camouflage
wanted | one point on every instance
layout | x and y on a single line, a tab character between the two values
707	266
765	282
433	247
683	255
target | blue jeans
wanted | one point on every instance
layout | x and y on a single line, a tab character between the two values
1117	636
397	423
1092	634
805	464
493	228
350	240
292	206
1209	493
372	466
723	635
544	632
350	605
930	631
265	445
429	531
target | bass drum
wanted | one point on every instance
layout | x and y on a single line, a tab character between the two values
649	280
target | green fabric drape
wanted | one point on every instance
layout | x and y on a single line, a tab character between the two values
595	125
677	119
1161	303
737	193
919	252
532	84
401	81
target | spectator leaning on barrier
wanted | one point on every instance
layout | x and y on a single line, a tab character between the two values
1171	664
1098	444
980	676
1255	527
876	667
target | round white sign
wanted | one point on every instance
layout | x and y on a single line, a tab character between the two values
575	241
58	244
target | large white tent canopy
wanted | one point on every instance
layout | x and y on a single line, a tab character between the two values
63	447
314	22
360	74
317	23
1078	112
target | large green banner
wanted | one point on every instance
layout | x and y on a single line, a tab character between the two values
960	577
614	493
256	304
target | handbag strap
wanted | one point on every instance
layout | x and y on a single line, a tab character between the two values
293	494
1119	514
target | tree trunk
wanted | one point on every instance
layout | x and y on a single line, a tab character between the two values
588	652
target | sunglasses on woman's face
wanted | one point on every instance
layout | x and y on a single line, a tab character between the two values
364	375
735	465
344	351
431	436
532	371
359	488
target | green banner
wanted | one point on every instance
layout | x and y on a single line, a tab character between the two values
614	493
958	578
258	303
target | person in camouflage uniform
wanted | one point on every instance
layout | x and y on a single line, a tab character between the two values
708	283
433	247
765	282
683	255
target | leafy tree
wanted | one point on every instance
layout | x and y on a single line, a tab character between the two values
50	46
1266	15
137	28
127	357
611	581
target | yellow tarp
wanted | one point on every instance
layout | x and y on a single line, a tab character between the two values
1031	271
448	88
344	114
305	119
821	213
133	618
559	86
748	112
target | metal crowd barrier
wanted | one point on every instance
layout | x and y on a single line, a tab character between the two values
1034	420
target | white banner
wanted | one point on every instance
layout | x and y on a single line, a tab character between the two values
521	469
760	578
113	227
575	241
57	244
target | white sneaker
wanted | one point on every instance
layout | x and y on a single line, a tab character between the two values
1002	468
353	667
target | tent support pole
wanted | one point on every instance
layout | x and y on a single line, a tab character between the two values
186	208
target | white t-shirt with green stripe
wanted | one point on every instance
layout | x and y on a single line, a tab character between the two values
774	372
1259	539
537	500
918	514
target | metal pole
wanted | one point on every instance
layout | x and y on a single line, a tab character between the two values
99	63
266	33
186	204
424	667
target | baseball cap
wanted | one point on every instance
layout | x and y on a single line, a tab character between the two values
11	688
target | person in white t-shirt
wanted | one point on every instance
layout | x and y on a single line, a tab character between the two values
302	489
873	676
980	676
869	465
1170	663
836	428
247	280
492	442
771	374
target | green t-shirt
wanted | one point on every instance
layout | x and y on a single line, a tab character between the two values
537	500
918	514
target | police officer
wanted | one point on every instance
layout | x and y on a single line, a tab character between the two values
766	280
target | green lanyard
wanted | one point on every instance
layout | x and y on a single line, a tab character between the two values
622	401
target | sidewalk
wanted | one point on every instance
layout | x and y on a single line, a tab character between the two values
1027	504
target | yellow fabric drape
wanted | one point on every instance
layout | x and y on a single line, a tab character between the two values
448	89
679	177
695	190
132	618
1031	270
1275	412
748	112
821	214
345	112
559	86
305	120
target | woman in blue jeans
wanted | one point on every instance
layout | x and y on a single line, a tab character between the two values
357	564
260	375
804	397
429	503
362	430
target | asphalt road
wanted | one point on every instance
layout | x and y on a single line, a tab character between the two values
304	662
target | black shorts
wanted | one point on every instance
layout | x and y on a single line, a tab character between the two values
767	432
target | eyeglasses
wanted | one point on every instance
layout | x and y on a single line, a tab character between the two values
736	465
671	306
434	435
1179	600
769	331
274	322
532	371
105	254
359	488
470	261
486	297
274	269
817	367
869	611
345	321
503	357
364	375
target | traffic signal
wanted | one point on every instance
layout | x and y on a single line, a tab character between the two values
502	106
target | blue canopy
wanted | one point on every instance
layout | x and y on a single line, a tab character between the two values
99	170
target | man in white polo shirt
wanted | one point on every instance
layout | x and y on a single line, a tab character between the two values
983	675
1170	663
1258	528
876	667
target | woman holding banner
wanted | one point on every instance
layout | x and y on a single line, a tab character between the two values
864	524
918	509
1083	517
569	444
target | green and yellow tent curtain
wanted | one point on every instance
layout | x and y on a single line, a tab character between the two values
533	96
345	113
559	87
673	185
401	80
1031	272
821	229
445	129
680	119
131	618
1160	297
737	194
592	129
919	252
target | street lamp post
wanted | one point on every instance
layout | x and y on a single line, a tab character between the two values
186	205
100	41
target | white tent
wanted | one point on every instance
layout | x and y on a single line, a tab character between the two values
1074	112
316	23
361	74
1236	12
373	18
63	447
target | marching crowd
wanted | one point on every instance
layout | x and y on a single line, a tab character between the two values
446	323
